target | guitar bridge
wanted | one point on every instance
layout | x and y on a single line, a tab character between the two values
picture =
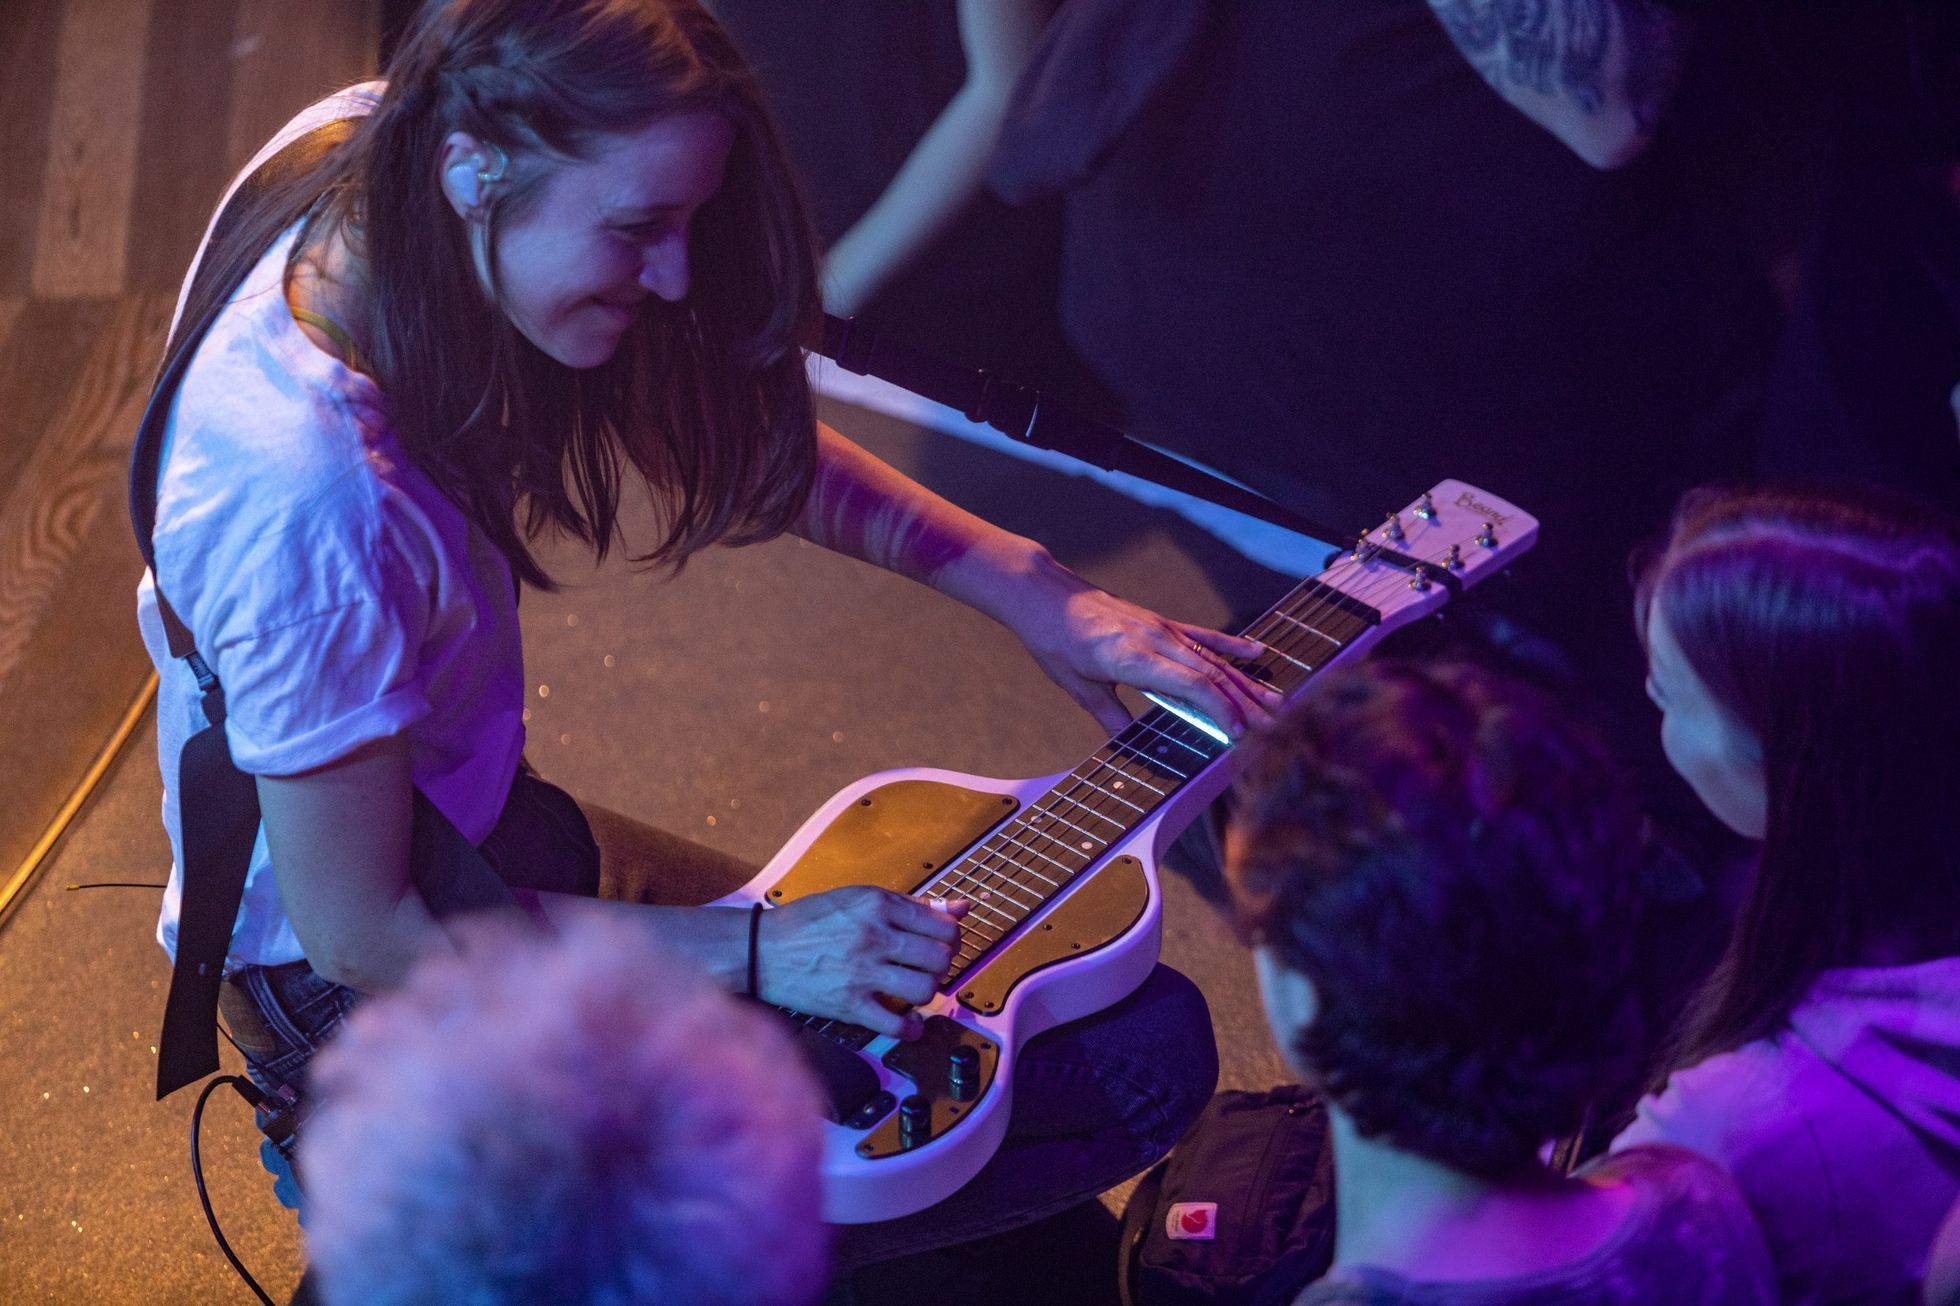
951	1068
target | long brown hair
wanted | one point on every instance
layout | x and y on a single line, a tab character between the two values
1827	620
706	399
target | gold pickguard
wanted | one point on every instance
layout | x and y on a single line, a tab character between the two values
899	835
895	837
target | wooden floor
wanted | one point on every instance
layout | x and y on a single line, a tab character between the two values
725	705
120	123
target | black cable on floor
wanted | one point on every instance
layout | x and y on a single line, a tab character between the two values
248	1091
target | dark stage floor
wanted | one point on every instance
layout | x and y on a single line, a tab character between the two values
725	705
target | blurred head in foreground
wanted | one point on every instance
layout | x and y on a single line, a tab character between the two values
574	1118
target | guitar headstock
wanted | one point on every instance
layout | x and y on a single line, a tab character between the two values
1456	530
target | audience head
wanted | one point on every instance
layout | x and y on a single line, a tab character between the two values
577	1118
1438	872
1803	645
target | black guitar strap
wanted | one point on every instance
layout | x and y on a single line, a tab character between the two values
218	805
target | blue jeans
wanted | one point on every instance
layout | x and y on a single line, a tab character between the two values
1095	1101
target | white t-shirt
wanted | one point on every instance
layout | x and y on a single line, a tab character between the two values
335	591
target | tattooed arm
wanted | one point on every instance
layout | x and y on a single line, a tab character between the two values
1597	74
1088	641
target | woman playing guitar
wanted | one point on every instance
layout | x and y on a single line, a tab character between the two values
556	249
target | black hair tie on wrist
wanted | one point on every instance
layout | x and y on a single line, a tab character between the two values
755	931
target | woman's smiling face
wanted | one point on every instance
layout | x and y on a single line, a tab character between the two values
602	233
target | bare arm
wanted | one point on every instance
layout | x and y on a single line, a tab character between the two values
339	838
1086	640
1597	74
943	172
339	843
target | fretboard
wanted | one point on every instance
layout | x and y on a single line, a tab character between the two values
1039	851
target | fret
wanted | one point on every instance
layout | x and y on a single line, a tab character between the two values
1155	753
1295	650
1108	789
1023	875
1138	753
981	922
1027	870
1310	627
837	1031
1086	849
1330	606
984	904
1183	732
1009	885
1041	813
1305	644
1146	723
1056	797
1107	794
1069	856
988	932
1069	872
1278	653
1005	924
1133	764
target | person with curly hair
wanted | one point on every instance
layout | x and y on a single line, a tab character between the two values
577	1118
1436	872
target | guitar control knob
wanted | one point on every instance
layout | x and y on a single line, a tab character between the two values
963	1071
914	1121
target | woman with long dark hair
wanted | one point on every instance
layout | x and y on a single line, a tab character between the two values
1803	646
558	251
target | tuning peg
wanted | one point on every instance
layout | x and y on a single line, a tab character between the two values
1426	508
1420	581
1392	528
1487	537
1455	560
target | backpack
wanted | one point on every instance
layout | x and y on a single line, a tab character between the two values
1242	1212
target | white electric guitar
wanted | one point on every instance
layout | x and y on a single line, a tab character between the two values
1061	871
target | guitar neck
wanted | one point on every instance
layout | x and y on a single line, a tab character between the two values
1451	537
1040	850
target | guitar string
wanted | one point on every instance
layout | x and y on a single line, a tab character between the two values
981	934
1323	591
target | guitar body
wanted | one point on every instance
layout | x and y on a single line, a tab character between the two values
1065	917
1086	951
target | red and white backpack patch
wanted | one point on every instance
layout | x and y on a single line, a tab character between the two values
1192	1221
